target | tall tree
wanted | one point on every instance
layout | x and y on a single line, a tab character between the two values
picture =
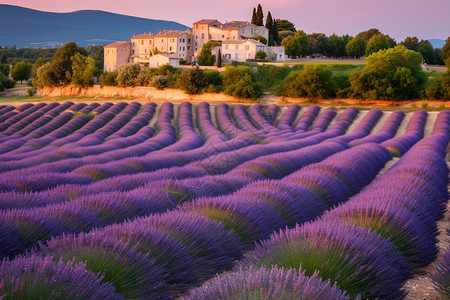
254	16
285	25
291	46
21	71
337	46
411	43
445	52
304	42
369	33
426	49
270	27
83	68
379	42
62	65
219	59
3	58
276	37
320	43
356	47
259	16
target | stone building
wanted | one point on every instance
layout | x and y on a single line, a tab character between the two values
242	50
159	60
116	55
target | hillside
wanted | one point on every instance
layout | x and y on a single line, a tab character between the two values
25	27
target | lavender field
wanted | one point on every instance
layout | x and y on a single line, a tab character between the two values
198	201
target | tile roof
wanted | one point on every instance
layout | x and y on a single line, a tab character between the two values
205	21
257	43
169	33
167	55
116	44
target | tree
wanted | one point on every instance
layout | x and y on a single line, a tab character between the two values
109	78
337	46
6	82
219	59
319	43
21	71
276	37
205	58
61	63
369	33
391	74
128	74
240	82
291	46
254	16
304	42
285	25
426	49
38	63
379	42
83	69
314	81
3	58
411	43
356	47
270	27
192	81
45	76
260	39
445	52
260	55
259	16
4	68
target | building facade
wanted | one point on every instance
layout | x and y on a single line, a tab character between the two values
116	55
159	60
243	50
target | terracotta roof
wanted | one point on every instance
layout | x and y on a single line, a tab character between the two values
205	21
167	55
115	45
257	43
169	33
233	25
143	36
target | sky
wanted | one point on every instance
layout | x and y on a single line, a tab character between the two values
398	18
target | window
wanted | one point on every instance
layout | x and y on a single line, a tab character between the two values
183	40
189	40
133	51
196	37
133	43
251	30
142	42
189	48
203	36
173	40
170	48
145	51
223	36
236	56
180	48
180	40
150	42
162	41
183	48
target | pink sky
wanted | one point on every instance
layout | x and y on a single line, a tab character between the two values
398	18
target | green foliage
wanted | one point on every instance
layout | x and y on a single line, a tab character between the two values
128	75
38	63
160	81
390	74
337	46
6	82
31	91
445	52
21	71
240	82
356	47
319	43
291	46
260	55
25	53
271	28
285	25
284	34
424	105
315	81
272	77
446	84
83	69
379	42
4	69
170	73
62	64
411	43
109	78
219	59
192	81
260	39
214	78
205	58
426	49
369	33
433	89
3	58
304	41
45	76
254	16
259	20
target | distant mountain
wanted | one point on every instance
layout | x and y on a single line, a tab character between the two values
25	27
437	43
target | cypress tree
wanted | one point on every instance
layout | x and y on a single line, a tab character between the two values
219	59
269	25
3	58
254	16
276	37
259	16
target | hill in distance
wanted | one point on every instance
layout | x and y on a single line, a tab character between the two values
437	43
26	27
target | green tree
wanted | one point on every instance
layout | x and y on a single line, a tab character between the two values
260	39
391	74
379	42
6	82
192	81
319	43
285	25
445	52
240	82
254	16
21	71
314	81
369	33
3	58
304	42
260	55
259	16
356	47
426	49
45	76
205	58
109	78
446	84
61	63
128	75
219	59
337	46
83	69
38	63
4	68
270	27
411	43
276	37
291	46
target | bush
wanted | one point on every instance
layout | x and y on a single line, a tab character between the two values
109	78
159	81
31	92
214	81
240	82
6	82
313	82
4	68
446	85
390	74
433	90
261	55
128	74
192	81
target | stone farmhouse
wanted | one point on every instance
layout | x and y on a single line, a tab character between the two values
187	44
